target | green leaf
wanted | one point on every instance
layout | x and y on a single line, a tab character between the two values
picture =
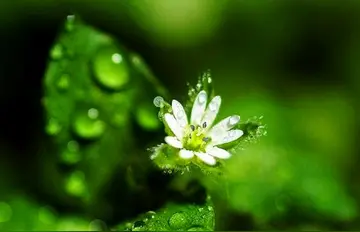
174	217
93	87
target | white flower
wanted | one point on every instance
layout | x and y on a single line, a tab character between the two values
199	137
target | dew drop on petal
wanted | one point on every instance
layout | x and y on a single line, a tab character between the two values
232	133
5	212
158	101
110	69
202	97
178	220
180	114
213	106
233	120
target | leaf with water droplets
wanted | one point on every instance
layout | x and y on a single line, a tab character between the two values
175	217
93	89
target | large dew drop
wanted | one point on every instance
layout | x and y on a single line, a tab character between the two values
138	226
88	126
110	69
178	220
147	118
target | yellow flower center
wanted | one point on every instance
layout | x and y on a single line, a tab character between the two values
195	138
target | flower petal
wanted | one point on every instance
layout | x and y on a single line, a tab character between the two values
198	109
218	152
186	154
173	141
226	137
179	113
174	126
224	125
211	112
208	159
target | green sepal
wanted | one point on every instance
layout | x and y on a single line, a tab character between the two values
167	158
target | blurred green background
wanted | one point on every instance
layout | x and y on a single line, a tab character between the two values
297	63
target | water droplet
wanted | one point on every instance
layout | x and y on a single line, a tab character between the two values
180	114
5	212
138	224
47	215
97	225
232	133
161	116
57	52
201	209
71	155
150	215
70	22
210	208
202	97
73	146
75	184
209	80
198	86
128	226
93	113
119	118
110	69
88	128
178	220
226	139
198	228
146	117
158	101
234	120
63	82
116	58
213	106
53	127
